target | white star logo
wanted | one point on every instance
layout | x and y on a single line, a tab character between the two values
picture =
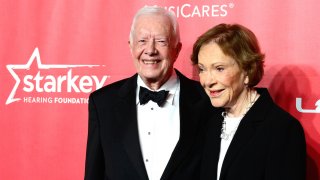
35	56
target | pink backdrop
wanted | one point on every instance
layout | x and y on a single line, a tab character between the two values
54	52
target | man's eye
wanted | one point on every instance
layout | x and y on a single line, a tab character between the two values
162	42
142	41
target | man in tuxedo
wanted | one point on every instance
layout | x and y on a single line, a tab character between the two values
148	126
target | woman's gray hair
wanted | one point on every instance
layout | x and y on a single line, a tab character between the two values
156	10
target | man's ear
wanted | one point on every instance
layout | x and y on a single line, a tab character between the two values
178	49
130	46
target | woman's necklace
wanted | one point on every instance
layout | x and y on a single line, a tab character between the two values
224	135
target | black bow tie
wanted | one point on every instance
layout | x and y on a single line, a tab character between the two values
146	95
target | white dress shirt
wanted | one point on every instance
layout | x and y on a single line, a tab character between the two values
159	127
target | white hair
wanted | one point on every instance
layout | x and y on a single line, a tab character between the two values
156	10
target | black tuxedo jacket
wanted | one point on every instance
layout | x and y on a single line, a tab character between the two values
113	148
268	145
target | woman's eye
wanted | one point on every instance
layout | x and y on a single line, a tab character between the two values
219	69
200	70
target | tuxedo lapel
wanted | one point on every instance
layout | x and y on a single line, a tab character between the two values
185	141
127	115
189	105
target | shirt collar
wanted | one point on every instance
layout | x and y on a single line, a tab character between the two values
172	85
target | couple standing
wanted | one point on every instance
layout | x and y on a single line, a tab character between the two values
158	124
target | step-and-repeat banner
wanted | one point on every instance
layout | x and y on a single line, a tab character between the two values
53	53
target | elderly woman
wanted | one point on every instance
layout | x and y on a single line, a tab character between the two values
251	138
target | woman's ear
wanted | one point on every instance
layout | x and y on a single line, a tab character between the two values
246	80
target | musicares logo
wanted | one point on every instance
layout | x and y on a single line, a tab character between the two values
209	10
46	84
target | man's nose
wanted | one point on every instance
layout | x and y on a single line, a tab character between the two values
151	48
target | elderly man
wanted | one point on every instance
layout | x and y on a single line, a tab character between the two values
148	126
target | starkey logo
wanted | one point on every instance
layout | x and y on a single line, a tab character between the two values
53	83
302	110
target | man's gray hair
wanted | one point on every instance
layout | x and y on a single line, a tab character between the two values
156	10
